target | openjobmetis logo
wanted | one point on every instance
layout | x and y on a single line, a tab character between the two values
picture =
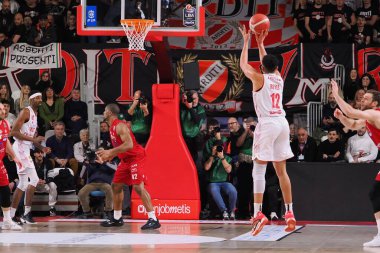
213	79
167	209
327	60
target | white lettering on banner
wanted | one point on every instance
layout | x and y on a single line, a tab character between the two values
211	75
230	106
299	96
22	55
167	209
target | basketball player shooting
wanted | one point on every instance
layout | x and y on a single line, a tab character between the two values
369	117
271	137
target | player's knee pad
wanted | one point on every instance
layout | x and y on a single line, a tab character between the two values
33	180
258	175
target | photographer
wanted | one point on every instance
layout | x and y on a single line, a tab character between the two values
99	177
139	115
193	115
81	147
244	168
218	166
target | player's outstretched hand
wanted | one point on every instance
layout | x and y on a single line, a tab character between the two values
334	88
246	34
260	37
338	113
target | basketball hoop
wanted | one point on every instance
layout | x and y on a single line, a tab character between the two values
136	31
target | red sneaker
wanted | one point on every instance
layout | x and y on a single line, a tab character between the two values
290	221
258	223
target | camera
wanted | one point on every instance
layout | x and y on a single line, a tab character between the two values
252	128
215	131
90	156
143	100
219	145
189	97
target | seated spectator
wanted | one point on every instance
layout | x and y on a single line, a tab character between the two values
358	99
9	117
42	34
218	166
339	21
75	113
293	132
70	34
140	117
99	178
328	120
5	94
369	11
45	183
18	32
304	147
23	100
299	22
351	86
80	148
6	17
361	33
43	82
360	148
51	110
105	138
62	154
367	82
14	6
332	149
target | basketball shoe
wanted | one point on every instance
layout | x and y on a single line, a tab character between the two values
290	221
374	243
258	223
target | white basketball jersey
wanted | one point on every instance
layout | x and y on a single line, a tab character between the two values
29	128
268	100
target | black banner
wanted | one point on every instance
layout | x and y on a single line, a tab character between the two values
319	60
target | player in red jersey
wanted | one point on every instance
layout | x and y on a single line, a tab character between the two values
368	116
130	171
5	194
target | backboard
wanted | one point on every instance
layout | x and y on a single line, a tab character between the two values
172	18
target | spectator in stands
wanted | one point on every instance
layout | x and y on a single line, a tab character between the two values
5	94
369	12
83	146
339	21
360	148
43	33
105	138
292	131
361	33
376	33
14	6
328	120
351	86
62	154
18	33
304	147
6	17
4	41
358	98
299	22
99	178
192	116
9	117
235	132
43	82
218	166
28	28
45	183
244	168
140	117
57	10
367	82
75	113
51	109
23	100
32	9
315	22
332	149
70	33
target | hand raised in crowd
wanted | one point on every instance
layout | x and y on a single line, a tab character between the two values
220	154
144	107
187	104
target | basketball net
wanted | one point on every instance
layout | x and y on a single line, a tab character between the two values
136	31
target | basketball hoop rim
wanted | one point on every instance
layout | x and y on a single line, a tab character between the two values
136	21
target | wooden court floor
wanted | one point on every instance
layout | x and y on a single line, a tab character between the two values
75	236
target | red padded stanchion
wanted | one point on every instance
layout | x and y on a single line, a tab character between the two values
172	175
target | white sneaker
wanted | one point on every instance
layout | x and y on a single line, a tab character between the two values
273	216
374	243
10	225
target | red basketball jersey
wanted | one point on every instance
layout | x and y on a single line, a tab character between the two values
4	133
137	152
374	132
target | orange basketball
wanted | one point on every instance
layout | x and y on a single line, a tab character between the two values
258	23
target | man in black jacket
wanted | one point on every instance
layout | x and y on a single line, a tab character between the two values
75	113
304	147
